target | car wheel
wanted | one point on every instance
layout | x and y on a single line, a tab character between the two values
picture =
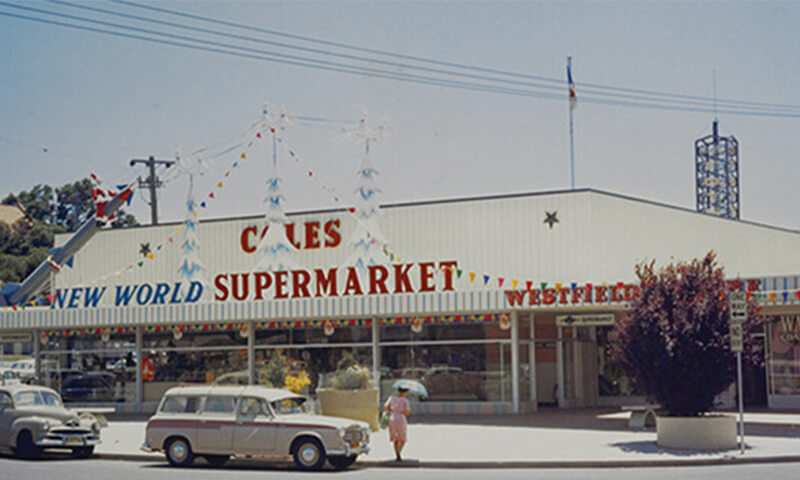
216	460
83	452
25	446
179	453
308	454
342	462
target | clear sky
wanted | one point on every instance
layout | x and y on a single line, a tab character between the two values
95	101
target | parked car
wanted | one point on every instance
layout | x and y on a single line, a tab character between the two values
33	418
217	422
87	388
8	377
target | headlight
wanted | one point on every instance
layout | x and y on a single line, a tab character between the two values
341	431
96	427
44	426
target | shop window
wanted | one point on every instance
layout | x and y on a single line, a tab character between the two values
439	332
612	381
783	359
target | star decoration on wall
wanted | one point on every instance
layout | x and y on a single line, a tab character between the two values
551	218
145	250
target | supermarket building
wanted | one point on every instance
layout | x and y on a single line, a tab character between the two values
497	304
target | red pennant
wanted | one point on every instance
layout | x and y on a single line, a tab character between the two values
529	284
258	135
310	173
351	210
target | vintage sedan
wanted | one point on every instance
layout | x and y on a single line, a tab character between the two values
33	418
218	422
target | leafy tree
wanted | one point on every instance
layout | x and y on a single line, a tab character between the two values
675	342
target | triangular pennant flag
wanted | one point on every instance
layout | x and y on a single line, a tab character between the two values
514	284
140	263
472	279
219	184
771	296
203	204
227	173
574	286
159	247
500	282
798	294
151	256
485	279
399	260
211	195
529	284
558	286
258	135
458	273
544	285
170	239
194	213
391	256
785	297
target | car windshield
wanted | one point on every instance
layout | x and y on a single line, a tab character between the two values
289	406
34	398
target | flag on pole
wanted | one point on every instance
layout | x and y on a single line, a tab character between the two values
573	97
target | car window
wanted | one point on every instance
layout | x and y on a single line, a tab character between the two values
180	404
289	406
51	399
219	404
5	400
252	407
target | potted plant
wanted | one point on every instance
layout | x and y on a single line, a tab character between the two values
348	392
675	346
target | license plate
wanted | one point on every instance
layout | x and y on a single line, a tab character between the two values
355	444
74	441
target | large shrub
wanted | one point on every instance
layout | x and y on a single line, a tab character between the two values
675	343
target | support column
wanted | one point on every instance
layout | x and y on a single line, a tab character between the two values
560	367
532	364
577	368
37	356
376	353
139	360
251	353
515	361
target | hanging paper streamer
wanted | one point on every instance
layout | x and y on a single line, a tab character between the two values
190	268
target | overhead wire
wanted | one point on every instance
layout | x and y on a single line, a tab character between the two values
637	101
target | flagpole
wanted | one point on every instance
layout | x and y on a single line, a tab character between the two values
571	152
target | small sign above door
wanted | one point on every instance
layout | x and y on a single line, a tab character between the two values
589	320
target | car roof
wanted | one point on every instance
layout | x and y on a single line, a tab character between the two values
18	387
270	394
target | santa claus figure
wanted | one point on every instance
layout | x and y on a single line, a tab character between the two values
101	197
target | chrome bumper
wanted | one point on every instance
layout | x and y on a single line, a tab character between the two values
361	448
68	441
147	448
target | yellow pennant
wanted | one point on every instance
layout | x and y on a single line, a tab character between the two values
243	156
471	277
151	256
558	286
194	213
219	184
771	296
514	283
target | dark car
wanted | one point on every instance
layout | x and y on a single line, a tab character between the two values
87	388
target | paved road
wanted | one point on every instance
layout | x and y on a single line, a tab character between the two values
95	469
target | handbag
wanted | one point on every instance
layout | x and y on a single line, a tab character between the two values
384	420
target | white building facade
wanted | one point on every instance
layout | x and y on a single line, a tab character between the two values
497	304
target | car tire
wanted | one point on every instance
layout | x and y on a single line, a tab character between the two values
83	452
216	460
26	448
179	452
340	462
308	454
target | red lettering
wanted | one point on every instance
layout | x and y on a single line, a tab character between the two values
515	297
332	236
753	284
600	294
734	285
577	293
222	289
263	281
280	284
300	280
245	239
240	291
562	296
425	277
448	274
326	284
352	283
312	235
631	292
588	298
402	283
290	235
533	297
616	294
377	279
549	296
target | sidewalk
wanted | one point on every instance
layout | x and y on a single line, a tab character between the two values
583	438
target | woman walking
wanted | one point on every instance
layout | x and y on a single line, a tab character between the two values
398	408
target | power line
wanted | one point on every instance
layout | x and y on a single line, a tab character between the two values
295	60
559	81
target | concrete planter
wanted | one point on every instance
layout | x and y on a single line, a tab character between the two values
356	404
712	432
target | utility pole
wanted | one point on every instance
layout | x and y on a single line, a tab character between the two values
152	183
